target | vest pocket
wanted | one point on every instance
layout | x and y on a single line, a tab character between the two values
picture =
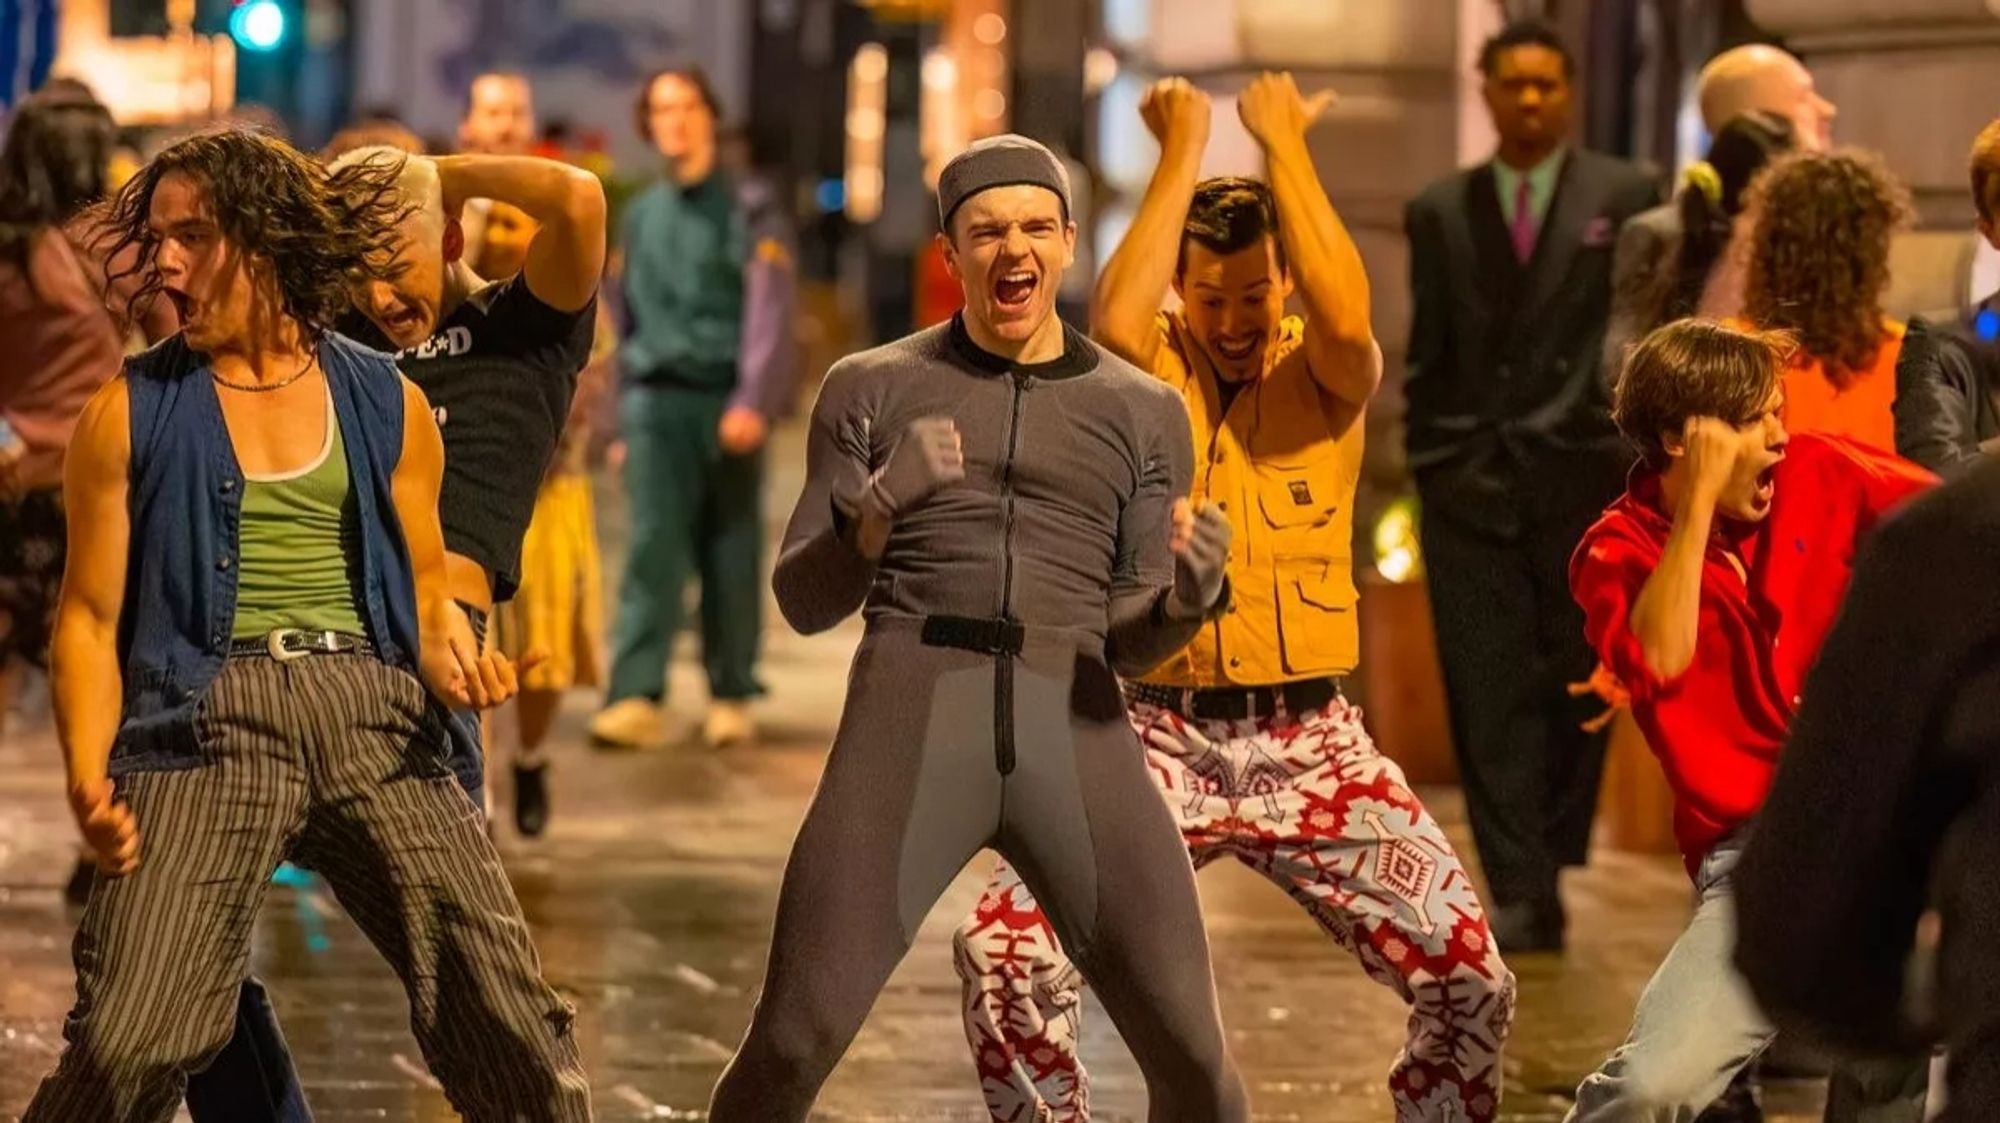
1316	626
1295	501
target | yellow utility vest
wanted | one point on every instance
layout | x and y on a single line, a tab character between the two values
1274	465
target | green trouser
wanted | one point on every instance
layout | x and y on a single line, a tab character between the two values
694	511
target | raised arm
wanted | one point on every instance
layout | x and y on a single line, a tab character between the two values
1667	613
450	662
1125	305
566	259
88	682
1339	342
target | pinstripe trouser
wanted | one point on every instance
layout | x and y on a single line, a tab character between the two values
334	756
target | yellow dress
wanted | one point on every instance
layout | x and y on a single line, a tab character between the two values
559	608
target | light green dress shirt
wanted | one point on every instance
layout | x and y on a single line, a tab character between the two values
1541	186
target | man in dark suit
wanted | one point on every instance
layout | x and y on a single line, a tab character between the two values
1514	454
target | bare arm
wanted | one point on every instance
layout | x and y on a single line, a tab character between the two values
1666	615
566	259
418	479
88	682
1339	342
450	661
1126	302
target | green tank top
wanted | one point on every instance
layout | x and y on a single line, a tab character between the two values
300	562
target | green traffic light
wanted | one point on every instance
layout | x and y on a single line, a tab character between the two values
258	25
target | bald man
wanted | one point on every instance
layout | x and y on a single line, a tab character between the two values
1735	82
499	121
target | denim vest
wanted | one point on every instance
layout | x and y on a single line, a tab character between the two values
185	503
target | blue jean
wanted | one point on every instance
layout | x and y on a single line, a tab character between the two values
252	1080
1697	1025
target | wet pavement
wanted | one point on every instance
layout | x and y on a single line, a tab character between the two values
651	900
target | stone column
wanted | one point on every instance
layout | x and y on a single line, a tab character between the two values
1915	81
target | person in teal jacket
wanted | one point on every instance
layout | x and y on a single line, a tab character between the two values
706	358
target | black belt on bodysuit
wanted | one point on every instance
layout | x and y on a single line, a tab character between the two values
986	635
1237	703
1004	640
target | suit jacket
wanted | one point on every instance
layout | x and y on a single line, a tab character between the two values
1645	245
1509	423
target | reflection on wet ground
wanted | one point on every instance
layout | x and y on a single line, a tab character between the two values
651	900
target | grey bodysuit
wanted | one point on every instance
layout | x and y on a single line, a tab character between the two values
982	708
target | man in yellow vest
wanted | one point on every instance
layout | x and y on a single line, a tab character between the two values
1254	746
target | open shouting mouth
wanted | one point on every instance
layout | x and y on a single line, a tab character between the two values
1015	289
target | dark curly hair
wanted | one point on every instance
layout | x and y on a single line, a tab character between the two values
322	231
1819	255
1229	214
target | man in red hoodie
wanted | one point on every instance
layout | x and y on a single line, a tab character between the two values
1707	589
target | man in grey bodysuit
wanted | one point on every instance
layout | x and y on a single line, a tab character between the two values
1006	501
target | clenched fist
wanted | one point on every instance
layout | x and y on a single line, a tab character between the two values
107	825
1200	545
928	458
1175	111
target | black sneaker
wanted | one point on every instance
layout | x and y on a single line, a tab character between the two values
77	892
531	799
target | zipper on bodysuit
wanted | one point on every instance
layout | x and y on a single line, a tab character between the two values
1003	663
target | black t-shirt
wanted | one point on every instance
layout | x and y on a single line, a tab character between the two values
499	373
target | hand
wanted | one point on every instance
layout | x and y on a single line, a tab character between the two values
614	456
1273	110
466	678
929	458
1200	544
1175	110
743	430
1713	448
107	825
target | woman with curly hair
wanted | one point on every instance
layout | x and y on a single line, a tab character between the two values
1819	264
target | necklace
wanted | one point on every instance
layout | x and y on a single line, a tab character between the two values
253	388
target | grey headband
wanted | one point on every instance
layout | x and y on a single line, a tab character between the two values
1000	161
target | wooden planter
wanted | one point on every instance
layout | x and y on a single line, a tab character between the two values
1400	685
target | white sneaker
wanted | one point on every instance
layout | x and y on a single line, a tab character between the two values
728	723
634	723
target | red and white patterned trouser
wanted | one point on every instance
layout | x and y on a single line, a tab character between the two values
1309	803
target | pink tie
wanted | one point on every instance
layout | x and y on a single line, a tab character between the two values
1523	228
